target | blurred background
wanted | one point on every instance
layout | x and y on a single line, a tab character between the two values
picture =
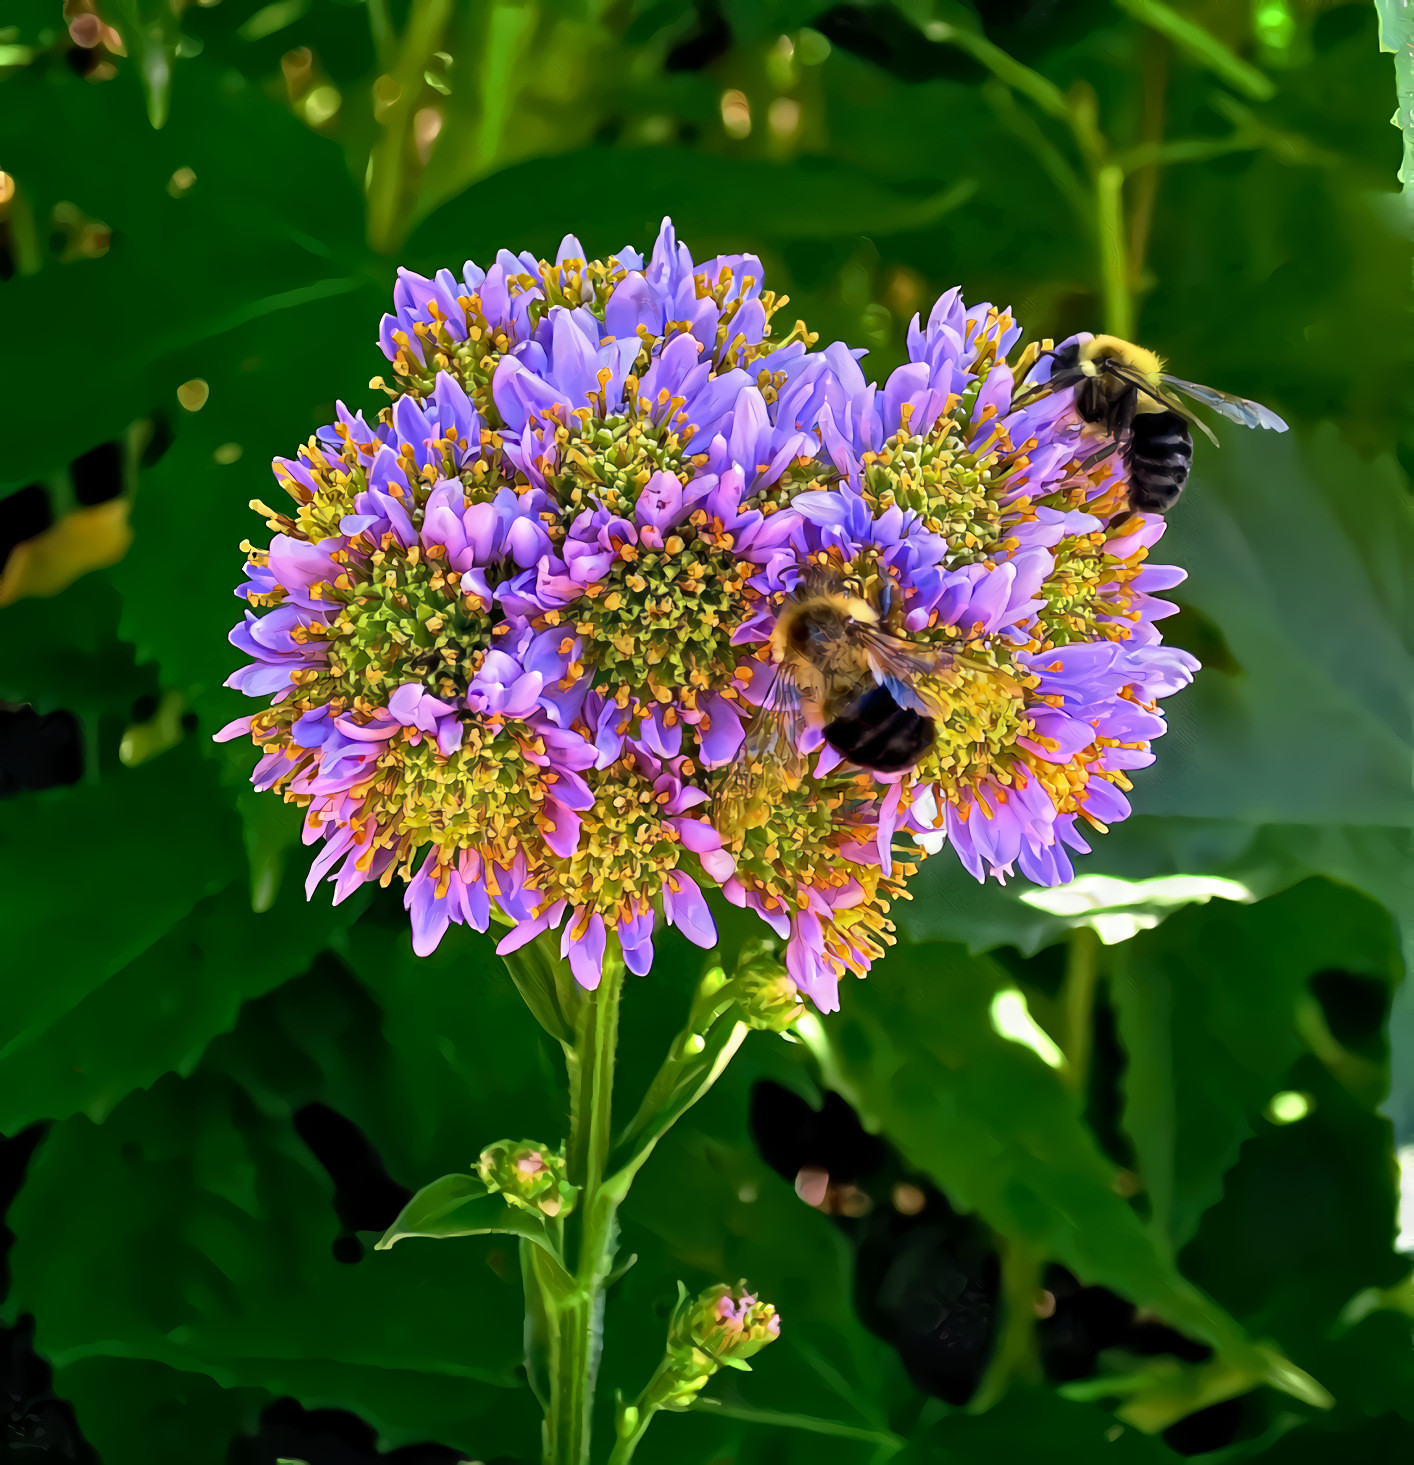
1090	1173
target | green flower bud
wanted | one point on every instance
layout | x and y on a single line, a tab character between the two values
729	1324
769	1000
721	1329
530	1175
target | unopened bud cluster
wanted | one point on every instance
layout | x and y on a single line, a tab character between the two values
768	998
530	1175
722	1329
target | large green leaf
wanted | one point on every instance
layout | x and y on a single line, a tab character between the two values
1210	1008
157	1013
746	201
246	241
98	872
449	1059
181	1418
1305	1223
224	1225
267	397
1289	755
93	676
1073	1434
1299	554
915	1050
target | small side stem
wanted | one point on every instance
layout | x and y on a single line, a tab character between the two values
692	1058
626	1444
624	1447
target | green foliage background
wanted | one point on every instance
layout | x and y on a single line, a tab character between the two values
168	999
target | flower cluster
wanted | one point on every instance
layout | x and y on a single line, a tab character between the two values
513	630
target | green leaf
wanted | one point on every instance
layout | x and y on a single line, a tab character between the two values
157	1013
1305	1223
225	1225
1397	36
1028	1420
1210	1008
96	676
749	200
460	1205
95	862
1270	518
915	1051
247	241
1288	756
544	984
180	1418
450	1058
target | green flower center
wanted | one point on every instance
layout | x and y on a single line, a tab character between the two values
610	460
953	490
483	796
406	620
625	849
663	619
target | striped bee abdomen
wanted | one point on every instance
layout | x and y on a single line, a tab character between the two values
1158	455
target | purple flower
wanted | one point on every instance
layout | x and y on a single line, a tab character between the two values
516	626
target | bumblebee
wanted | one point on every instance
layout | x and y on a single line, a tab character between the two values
1124	390
841	667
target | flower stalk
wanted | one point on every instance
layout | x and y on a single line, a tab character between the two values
565	1294
573	1320
720	1329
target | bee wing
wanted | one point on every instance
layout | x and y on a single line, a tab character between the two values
1235	409
771	735
907	669
902	666
769	752
1137	379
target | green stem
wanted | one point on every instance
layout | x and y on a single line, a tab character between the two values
625	1445
1203	46
1014	1354
1114	262
1078	995
628	1440
575	1322
378	27
537	1325
388	214
694	1063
